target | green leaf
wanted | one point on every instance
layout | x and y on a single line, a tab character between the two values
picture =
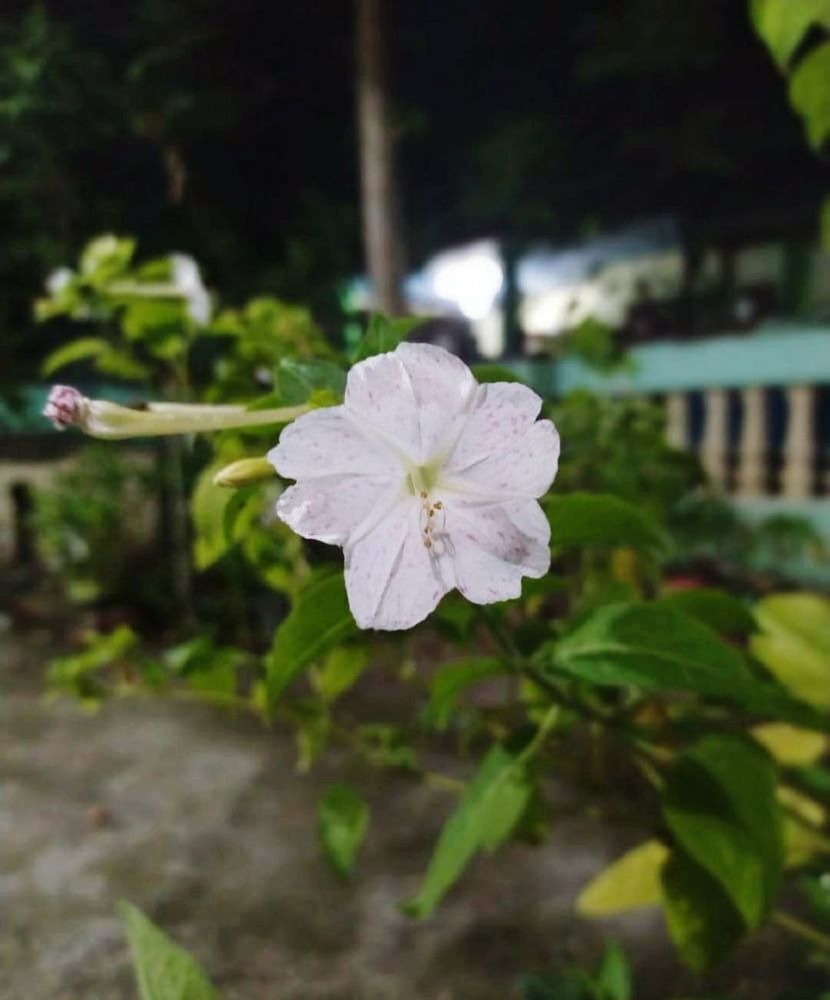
164	971
208	504
658	648
384	334
453	678
628	883
77	350
789	745
810	94
613	978
720	804
121	364
72	673
580	519
234	508
342	821
488	372
489	808
795	644
702	922
318	621
106	257
573	984
718	609
297	381
783	23
340	670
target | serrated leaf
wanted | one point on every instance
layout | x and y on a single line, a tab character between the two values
631	881
489	808
384	334
318	621
599	519
658	648
702	921
720	804
342	822
164	970
78	350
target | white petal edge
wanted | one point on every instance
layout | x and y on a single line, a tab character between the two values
495	545
525	469
500	414
392	581
330	508
416	396
329	442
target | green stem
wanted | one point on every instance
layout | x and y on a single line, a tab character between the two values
802	930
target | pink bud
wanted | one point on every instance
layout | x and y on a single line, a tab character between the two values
64	406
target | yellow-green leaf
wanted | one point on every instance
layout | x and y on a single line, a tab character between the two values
810	94
795	644
630	882
790	745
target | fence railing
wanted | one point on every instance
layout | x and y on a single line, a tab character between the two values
755	407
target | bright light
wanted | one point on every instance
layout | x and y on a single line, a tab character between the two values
470	280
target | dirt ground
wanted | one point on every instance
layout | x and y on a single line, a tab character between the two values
201	820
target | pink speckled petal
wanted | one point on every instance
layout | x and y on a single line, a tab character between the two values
330	442
500	415
495	545
391	579
415	396
525	469
330	508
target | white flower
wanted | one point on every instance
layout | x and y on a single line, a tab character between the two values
187	279
427	479
58	280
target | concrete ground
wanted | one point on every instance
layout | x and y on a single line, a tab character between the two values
201	820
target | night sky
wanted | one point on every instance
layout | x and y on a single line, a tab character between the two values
542	118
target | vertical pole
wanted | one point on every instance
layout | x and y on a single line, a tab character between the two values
713	448
677	420
753	444
799	444
382	235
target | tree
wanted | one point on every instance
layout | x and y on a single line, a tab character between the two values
381	211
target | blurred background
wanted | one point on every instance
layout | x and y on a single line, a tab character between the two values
622	202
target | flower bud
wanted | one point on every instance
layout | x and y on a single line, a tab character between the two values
244	472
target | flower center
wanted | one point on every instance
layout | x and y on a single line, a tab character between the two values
420	480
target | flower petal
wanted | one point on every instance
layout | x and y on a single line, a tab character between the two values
501	413
330	508
415	396
524	469
495	545
392	580
329	442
